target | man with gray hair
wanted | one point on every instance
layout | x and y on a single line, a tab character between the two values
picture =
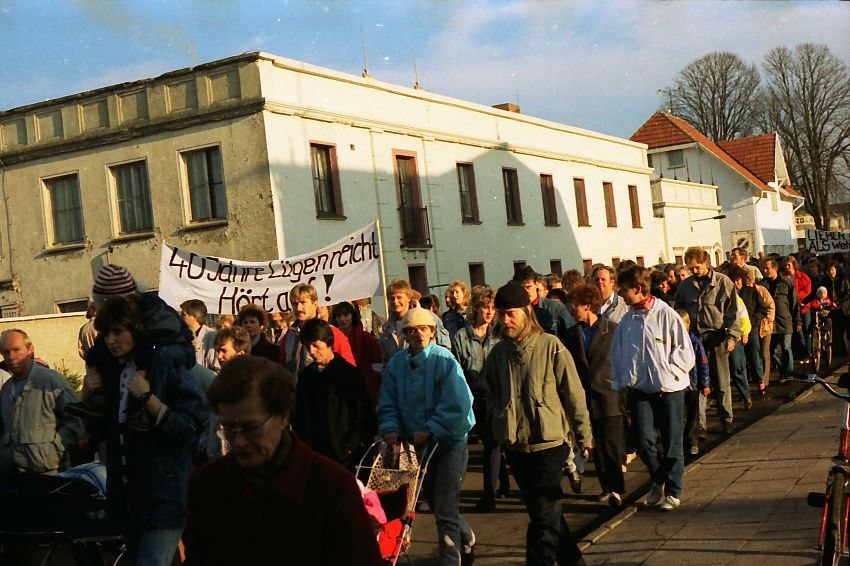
36	432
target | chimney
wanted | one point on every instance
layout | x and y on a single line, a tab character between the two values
508	106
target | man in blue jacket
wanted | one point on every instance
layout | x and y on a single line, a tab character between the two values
424	396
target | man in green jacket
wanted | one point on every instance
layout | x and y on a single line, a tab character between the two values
535	398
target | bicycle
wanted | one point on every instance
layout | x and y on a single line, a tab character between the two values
821	340
832	541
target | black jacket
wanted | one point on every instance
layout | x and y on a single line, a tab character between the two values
756	307
594	367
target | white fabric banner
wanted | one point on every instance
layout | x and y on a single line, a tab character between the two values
823	242
346	270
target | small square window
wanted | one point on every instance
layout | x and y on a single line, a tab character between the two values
675	158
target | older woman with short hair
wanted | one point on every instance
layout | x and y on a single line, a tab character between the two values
272	496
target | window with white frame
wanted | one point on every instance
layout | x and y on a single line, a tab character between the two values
207	195
133	197
326	184
675	158
66	210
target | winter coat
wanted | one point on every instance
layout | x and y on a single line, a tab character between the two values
713	310
471	353
535	397
787	305
594	367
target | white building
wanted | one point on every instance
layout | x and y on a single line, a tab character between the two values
688	216
256	156
753	190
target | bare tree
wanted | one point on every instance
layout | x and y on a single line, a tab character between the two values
807	101
718	94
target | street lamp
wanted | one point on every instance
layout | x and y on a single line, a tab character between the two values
716	217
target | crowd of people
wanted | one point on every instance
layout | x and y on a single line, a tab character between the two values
239	443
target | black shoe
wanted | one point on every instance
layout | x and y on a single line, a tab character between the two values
575	481
84	410
726	428
485	505
467	554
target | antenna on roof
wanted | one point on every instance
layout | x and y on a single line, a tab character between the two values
363	47
669	92
416	84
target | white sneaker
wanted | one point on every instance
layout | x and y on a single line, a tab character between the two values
614	500
656	492
670	503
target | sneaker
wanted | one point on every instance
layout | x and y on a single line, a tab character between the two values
467	553
748	403
670	503
656	492
615	500
694	449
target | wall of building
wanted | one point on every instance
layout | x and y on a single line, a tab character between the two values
685	208
367	122
54	338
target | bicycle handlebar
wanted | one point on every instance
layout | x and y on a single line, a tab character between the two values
815	378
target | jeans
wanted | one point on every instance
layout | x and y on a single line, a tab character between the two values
738	369
755	367
718	371
780	353
665	412
690	435
442	492
548	537
803	337
152	548
495	471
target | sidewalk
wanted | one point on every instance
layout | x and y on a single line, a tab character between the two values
743	503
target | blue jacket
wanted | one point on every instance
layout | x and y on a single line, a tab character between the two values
425	392
699	373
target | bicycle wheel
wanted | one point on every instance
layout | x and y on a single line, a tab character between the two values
835	513
816	350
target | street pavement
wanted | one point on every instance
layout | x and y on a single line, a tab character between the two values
744	498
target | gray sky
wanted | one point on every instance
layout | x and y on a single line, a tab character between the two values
591	64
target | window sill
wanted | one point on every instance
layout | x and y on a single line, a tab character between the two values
340	217
121	238
204	225
64	248
584	225
516	223
471	222
552	224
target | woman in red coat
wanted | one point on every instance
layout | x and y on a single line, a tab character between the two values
367	351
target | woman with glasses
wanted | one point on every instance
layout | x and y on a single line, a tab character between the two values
155	413
271	499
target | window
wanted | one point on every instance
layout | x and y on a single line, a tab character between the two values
66	210
80	305
555	267
415	230
649	159
615	262
518	265
634	206
639	260
418	277
610	210
675	158
581	202
207	196
468	197
134	198
550	209
513	207
326	184
587	265
476	274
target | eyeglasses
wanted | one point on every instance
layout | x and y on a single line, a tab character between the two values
250	431
421	329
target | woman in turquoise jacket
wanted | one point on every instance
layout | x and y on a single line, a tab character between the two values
424	396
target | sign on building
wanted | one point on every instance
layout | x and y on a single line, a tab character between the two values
823	242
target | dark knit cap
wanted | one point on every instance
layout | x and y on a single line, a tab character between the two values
511	296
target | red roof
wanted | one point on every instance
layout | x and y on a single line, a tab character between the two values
756	153
664	129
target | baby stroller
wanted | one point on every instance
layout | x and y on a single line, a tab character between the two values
396	476
42	513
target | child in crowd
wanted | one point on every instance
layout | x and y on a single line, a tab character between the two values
821	305
695	422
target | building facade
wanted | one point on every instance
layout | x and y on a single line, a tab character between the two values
256	157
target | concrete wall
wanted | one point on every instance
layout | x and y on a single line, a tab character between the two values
685	205
54	338
367	121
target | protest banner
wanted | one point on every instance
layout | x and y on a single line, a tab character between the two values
348	269
823	242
